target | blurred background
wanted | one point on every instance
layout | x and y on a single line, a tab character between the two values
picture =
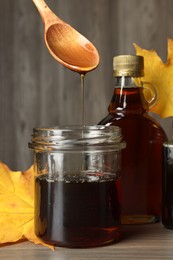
35	90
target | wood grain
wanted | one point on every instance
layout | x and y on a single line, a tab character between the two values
37	91
139	242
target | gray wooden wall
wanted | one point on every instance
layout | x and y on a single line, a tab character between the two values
36	91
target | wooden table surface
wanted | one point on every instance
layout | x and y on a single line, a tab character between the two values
140	242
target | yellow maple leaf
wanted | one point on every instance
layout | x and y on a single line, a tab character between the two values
160	76
17	206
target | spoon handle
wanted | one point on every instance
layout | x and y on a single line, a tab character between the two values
46	13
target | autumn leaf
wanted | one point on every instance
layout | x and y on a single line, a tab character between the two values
17	206
160	76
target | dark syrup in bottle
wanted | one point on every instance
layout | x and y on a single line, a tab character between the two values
167	187
142	158
141	169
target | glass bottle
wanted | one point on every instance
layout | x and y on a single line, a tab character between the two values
141	160
167	187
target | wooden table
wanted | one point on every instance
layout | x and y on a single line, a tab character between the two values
140	242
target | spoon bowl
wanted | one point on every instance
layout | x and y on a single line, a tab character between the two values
66	44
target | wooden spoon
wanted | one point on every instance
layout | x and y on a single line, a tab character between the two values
66	44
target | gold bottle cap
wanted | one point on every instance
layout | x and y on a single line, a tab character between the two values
128	65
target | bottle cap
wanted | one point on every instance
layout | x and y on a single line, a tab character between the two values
128	65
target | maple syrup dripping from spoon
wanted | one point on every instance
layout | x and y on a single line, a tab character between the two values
68	47
82	77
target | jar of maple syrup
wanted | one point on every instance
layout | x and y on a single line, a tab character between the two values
77	184
142	159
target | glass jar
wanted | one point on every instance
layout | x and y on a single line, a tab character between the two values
77	184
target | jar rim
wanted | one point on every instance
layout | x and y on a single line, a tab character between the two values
82	138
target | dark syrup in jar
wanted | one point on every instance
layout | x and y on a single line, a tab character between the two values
77	210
